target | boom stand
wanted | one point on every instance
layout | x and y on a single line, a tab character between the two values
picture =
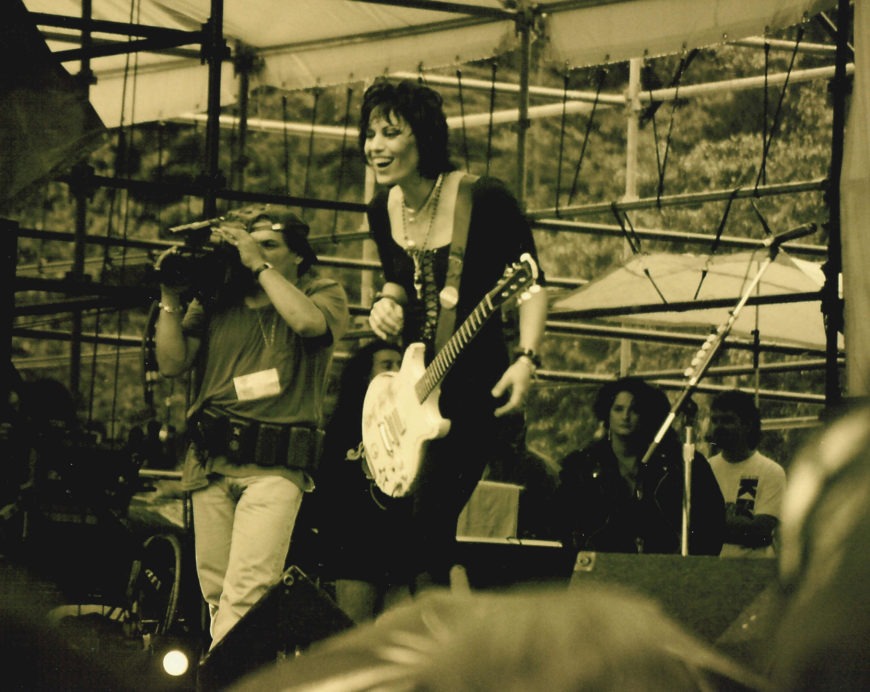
698	366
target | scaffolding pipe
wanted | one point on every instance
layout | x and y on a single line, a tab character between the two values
337	133
784	45
214	48
9	239
81	189
632	130
831	303
739	370
600	331
778	79
565	377
597	229
524	26
681	236
686	198
509	88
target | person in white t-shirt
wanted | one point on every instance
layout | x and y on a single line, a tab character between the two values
751	483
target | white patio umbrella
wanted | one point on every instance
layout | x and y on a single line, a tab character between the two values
677	289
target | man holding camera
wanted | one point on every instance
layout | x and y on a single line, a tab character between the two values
262	358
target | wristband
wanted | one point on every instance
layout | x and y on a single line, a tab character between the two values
263	267
172	311
529	353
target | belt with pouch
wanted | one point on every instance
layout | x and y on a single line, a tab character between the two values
247	441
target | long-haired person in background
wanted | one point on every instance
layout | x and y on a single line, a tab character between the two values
610	502
362	535
413	220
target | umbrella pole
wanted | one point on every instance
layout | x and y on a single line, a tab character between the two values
704	357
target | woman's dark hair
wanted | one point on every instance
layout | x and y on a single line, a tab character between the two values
354	381
743	406
651	403
423	110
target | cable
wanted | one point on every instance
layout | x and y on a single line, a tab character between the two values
462	118
562	139
305	189
715	244
602	73
775	124
634	243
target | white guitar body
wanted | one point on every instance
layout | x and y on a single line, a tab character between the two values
396	427
400	411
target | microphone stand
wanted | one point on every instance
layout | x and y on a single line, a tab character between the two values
691	408
704	357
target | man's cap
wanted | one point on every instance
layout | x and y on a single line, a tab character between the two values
294	229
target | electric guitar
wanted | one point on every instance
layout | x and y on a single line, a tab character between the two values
400	412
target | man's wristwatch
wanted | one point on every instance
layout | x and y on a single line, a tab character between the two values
263	267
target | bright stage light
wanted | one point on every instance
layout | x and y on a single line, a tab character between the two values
175	662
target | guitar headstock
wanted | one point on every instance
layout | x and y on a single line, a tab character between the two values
518	280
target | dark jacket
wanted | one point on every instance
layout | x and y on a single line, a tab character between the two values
598	511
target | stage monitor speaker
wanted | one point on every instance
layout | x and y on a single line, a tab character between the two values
290	616
499	563
705	593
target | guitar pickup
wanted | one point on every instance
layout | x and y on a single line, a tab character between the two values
397	427
385	438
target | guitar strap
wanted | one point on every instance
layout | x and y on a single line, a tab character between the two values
449	296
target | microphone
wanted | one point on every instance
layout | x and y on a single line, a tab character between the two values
195	225
775	241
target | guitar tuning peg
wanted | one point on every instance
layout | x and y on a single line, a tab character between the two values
534	288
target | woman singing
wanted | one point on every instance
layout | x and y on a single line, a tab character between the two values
403	136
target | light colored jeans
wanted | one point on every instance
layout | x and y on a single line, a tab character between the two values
242	528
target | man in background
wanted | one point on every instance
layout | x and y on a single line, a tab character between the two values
262	353
751	483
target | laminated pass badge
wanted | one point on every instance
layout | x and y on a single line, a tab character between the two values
257	385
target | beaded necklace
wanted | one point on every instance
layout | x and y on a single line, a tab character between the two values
267	340
411	248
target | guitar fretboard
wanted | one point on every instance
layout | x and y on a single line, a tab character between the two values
446	357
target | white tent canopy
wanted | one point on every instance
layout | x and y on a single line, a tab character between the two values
305	43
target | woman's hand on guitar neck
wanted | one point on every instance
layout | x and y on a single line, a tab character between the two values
517	378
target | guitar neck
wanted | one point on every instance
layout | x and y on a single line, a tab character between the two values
441	364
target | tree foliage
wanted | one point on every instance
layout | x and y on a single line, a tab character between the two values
712	142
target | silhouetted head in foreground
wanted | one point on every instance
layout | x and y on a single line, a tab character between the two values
560	640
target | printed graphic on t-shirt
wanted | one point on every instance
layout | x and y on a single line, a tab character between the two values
747	493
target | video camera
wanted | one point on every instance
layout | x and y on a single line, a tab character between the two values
204	263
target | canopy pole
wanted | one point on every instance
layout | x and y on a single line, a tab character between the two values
525	20
9	259
832	306
241	158
632	129
82	189
214	49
